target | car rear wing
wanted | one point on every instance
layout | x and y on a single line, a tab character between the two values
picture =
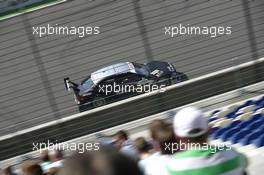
70	85
67	84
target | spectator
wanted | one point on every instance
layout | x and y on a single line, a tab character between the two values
107	161
197	157
154	127
56	158
8	171
44	156
165	137
125	145
31	168
143	148
162	134
54	171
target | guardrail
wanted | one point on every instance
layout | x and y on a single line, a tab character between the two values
133	108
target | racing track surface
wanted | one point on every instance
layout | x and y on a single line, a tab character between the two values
32	68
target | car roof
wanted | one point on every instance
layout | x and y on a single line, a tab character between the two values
114	69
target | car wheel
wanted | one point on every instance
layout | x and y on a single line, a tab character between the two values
99	101
83	108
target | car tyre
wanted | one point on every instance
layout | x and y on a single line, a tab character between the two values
99	101
83	108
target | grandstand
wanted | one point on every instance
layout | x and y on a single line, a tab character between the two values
243	124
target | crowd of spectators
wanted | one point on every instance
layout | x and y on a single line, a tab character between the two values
177	148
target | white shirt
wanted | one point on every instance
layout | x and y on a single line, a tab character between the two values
57	164
154	165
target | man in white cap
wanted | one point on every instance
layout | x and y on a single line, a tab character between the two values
197	157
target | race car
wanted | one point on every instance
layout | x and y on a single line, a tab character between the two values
122	80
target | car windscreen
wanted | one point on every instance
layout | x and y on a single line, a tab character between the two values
87	83
141	69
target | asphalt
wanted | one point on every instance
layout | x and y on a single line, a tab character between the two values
32	68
